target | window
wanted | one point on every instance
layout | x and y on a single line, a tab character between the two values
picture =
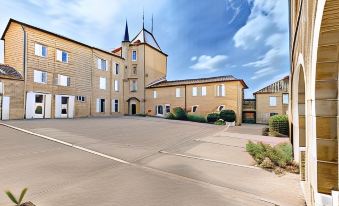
285	98
194	91
63	80
40	50
221	107
160	110
134	55
115	105
273	101
1	88
168	108
102	64
117	68
221	90
134	71
194	108
40	77
133	85
116	85
101	105
273	113
154	94
81	98
62	56
177	92
102	83
203	91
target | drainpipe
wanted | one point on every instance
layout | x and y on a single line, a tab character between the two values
25	67
185	100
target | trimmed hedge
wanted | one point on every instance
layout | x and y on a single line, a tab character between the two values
170	115
196	118
227	115
220	122
180	113
213	117
278	125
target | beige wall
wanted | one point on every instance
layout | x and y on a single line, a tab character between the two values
263	108
206	104
14	89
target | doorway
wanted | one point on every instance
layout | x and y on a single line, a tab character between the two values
64	107
133	109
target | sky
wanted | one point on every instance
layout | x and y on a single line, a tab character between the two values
244	38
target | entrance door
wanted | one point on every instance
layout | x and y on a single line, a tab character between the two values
134	109
5	108
39	107
64	107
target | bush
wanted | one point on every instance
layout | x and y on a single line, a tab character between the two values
180	113
196	118
227	115
279	156
265	131
170	115
213	117
278	125
220	122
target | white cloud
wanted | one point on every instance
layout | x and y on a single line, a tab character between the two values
194	58
210	63
234	7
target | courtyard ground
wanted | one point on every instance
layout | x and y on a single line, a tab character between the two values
137	161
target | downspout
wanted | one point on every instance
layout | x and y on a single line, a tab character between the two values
25	67
185	99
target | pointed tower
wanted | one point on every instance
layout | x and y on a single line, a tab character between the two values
125	43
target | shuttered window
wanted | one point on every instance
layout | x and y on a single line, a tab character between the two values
194	91
102	64
64	80
115	105
40	77
203	91
40	50
62	56
102	83
116	85
220	90
177	92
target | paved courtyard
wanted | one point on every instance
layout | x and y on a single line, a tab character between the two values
137	161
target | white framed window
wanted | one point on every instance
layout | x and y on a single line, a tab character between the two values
102	83
40	50
40	77
64	80
134	55
1	88
133	85
220	90
177	92
81	98
115	105
116	68
116	85
285	98
221	107
100	106
273	101
167	108
155	95
62	56
102	64
203	91
160	110
194	91
194	108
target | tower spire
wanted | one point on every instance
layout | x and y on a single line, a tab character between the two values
152	25
143	18
126	37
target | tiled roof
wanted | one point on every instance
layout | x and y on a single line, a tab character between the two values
196	81
147	37
9	72
278	86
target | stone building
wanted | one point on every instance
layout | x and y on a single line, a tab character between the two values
59	77
314	46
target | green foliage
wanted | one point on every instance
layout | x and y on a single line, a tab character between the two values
13	198
213	117
196	118
180	113
38	110
227	115
267	156
170	115
278	125
220	122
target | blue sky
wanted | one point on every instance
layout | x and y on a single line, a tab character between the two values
244	38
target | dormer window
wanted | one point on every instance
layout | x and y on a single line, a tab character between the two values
134	55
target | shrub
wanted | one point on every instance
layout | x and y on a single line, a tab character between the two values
170	115
277	157
196	118
180	113
213	117
227	115
220	122
278	125
265	131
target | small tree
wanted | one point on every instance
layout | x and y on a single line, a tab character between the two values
227	115
180	113
213	117
13	198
